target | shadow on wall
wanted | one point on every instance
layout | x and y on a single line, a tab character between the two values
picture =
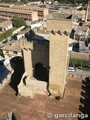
40	59
29	35
32	36
41	72
85	99
18	65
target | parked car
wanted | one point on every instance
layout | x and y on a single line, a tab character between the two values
71	69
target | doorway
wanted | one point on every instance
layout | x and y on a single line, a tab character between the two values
41	72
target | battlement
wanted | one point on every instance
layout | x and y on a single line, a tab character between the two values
59	33
58	38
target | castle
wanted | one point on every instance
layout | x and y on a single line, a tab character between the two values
45	65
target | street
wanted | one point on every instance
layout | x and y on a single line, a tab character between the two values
80	72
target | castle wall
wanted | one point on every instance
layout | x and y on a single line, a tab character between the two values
37	53
28	62
53	54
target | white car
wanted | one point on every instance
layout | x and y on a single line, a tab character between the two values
70	69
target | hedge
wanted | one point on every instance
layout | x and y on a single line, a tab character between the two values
6	34
79	63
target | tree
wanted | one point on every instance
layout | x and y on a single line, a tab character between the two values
18	22
6	34
79	63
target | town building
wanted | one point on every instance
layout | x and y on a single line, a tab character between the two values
6	25
59	21
48	1
6	5
81	32
27	12
83	46
11	49
42	12
35	3
26	15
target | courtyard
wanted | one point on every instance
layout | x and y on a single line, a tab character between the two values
39	107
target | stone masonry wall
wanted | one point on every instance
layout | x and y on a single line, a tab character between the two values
58	63
78	55
37	53
63	25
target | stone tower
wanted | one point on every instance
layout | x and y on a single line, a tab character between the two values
58	63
